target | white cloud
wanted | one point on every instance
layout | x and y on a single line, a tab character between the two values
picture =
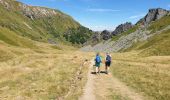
101	10
137	16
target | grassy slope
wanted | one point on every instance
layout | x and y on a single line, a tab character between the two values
160	24
12	38
35	70
40	29
157	45
20	24
38	70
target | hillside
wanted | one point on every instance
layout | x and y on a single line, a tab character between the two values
39	23
35	70
36	58
158	44
141	36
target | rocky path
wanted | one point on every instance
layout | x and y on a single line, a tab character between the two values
107	87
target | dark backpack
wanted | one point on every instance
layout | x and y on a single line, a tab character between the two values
98	60
108	58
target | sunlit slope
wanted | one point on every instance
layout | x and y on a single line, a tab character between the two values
40	23
35	70
159	44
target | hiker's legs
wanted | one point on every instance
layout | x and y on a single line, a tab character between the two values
97	69
106	67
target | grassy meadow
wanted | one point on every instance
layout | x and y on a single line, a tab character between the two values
149	76
40	70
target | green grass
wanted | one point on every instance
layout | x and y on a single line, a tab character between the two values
40	29
160	24
11	38
158	45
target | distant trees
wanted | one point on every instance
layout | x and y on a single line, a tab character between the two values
79	35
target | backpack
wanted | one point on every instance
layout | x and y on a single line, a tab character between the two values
98	60
108	58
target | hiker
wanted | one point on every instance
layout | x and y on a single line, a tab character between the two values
107	62
97	63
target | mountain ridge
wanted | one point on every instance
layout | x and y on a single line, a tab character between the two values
142	31
40	23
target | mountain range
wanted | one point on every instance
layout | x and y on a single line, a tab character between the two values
138	36
20	23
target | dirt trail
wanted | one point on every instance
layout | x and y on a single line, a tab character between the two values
89	88
107	87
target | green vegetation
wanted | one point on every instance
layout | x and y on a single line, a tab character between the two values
160	24
43	28
158	45
133	29
11	38
78	36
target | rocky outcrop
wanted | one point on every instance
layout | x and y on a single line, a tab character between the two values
126	41
96	37
153	15
122	28
122	43
106	35
32	12
37	12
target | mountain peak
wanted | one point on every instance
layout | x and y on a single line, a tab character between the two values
153	15
122	28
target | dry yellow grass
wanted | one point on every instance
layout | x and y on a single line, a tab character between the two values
53	72
149	76
48	72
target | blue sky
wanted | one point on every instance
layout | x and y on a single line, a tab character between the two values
102	14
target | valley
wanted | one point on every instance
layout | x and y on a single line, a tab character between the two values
47	55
